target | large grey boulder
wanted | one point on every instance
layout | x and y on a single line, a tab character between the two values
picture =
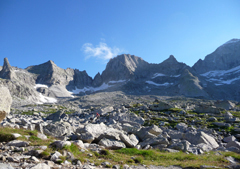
5	166
130	141
5	102
161	106
233	144
18	143
105	110
130	118
155	141
91	132
41	166
59	115
112	144
149	132
200	137
58	129
207	109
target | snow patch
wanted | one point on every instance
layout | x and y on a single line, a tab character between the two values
104	86
119	81
221	72
217	76
40	85
160	74
157	75
45	99
156	84
91	89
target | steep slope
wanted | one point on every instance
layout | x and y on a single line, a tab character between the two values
225	57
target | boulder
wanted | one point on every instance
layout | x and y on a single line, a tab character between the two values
112	144
207	109
5	166
18	143
130	118
149	132
41	166
229	139
58	129
91	132
5	102
181	126
200	137
59	115
233	144
105	110
128	141
155	141
161	106
60	144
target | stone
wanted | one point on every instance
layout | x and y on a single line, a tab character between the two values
55	156
5	102
154	130
112	144
5	166
16	135
229	139
130	118
58	129
161	106
61	144
181	126
154	141
127	141
42	136
58	116
200	137
18	143
233	144
41	166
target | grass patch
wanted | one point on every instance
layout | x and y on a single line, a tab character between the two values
155	157
5	135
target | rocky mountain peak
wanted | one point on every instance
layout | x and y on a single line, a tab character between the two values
122	67
171	59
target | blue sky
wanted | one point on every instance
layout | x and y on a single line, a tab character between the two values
85	34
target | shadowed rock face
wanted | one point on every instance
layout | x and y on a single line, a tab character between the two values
5	102
190	85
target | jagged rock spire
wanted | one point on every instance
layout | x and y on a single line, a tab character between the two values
7	72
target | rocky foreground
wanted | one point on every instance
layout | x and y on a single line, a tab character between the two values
190	126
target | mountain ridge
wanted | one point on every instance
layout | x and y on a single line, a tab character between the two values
132	75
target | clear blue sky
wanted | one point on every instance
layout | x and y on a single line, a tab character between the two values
84	34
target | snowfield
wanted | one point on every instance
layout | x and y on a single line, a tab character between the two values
217	76
40	85
156	84
104	86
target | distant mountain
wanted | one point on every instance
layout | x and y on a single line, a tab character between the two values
215	77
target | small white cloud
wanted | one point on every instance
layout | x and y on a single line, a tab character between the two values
101	51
